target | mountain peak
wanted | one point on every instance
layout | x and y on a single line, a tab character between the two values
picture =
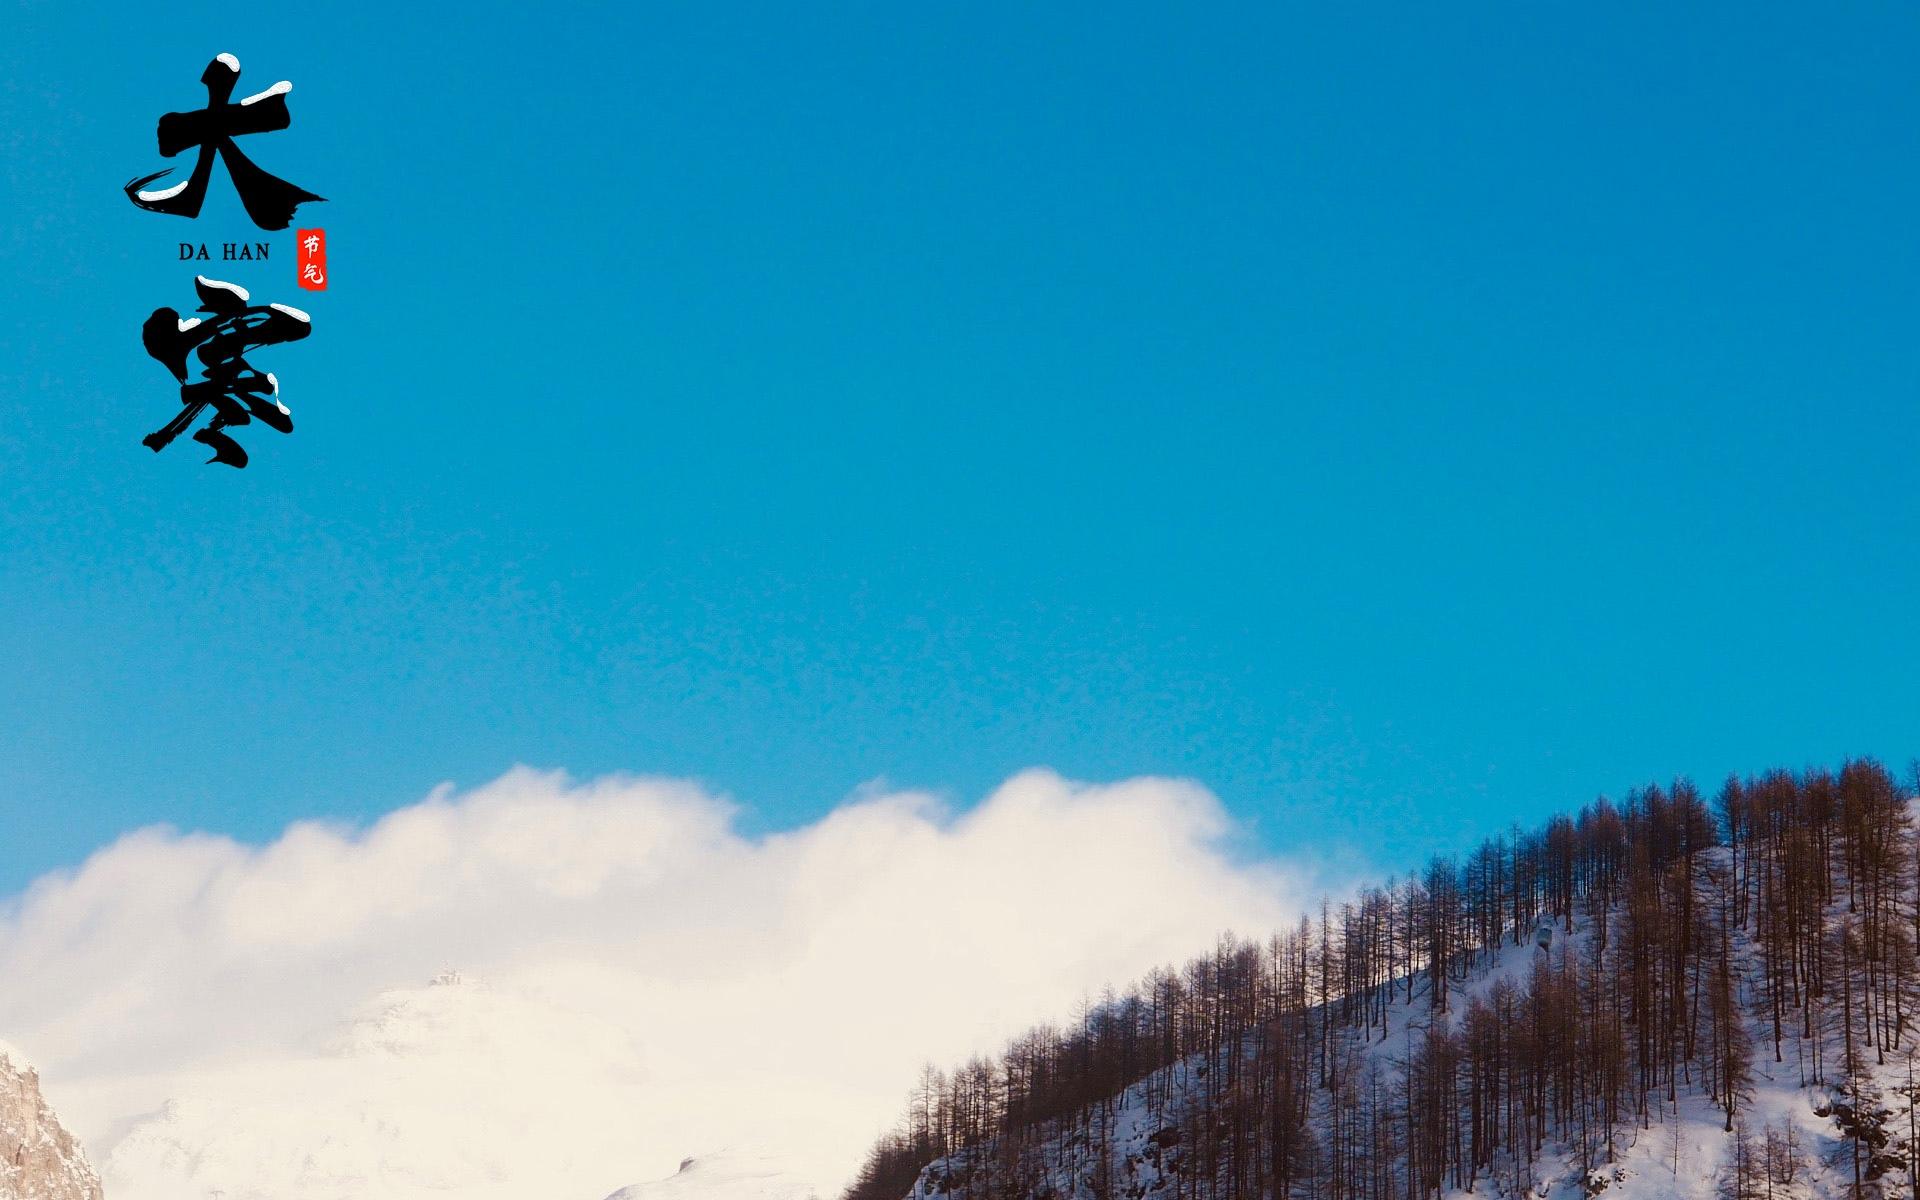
725	1175
39	1159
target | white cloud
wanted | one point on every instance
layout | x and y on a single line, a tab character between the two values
655	984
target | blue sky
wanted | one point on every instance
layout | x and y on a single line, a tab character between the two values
1403	421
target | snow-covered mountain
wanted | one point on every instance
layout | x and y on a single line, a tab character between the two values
1654	1001
455	1088
39	1160
723	1176
1139	1147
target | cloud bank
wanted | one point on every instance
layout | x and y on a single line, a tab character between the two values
642	981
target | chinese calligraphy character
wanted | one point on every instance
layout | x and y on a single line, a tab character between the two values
269	200
311	249
236	392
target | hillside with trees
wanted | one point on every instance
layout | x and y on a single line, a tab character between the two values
1667	996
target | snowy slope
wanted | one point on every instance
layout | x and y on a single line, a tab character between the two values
454	1089
723	1176
1678	1155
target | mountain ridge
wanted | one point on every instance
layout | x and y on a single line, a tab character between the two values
1723	1006
39	1159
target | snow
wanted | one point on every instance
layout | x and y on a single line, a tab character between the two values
165	193
233	64
278	89
723	1176
13	1054
466	1091
454	1088
235	288
295	313
1677	1155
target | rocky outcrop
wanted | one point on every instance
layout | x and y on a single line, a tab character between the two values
38	1159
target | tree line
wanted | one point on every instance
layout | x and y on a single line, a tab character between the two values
1347	1059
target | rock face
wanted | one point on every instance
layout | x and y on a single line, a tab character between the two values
38	1159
